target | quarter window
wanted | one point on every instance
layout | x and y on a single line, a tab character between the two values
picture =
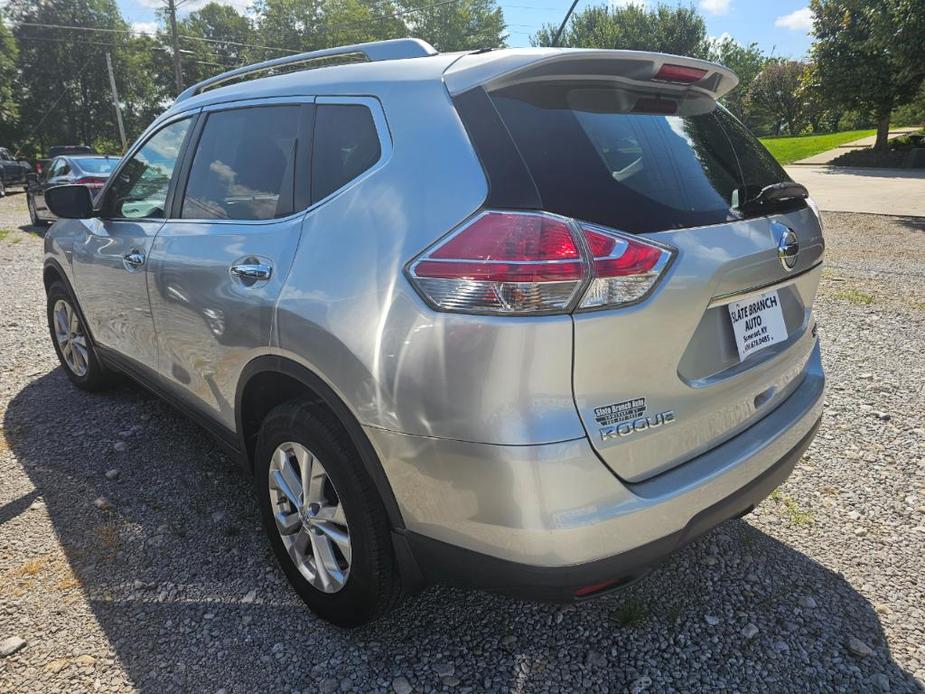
140	188
345	145
244	165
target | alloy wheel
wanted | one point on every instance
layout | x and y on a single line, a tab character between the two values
309	517
72	341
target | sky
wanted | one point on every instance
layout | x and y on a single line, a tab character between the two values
779	27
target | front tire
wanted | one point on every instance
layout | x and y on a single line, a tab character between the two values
323	516
72	342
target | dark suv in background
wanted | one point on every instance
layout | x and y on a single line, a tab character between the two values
12	171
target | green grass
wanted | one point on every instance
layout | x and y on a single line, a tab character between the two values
4	233
790	149
631	614
855	296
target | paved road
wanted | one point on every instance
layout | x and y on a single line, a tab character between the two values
827	156
173	588
898	192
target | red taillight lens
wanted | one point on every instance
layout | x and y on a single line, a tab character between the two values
530	262
503	262
91	181
679	73
625	268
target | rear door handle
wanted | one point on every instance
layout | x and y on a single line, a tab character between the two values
252	271
134	260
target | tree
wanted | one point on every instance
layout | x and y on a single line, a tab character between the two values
868	55
65	96
460	26
777	88
9	109
666	29
223	30
747	62
308	25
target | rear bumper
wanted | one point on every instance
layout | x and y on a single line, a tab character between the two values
440	562
546	520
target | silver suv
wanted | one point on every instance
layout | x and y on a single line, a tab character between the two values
526	320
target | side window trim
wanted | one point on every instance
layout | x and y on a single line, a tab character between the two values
382	131
300	180
151	132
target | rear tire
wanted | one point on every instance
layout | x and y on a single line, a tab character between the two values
340	523
33	214
72	342
2	189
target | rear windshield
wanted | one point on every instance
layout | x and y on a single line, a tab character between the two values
610	156
96	166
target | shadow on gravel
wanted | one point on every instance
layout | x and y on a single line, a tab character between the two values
912	223
171	569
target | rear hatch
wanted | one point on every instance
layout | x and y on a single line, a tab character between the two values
664	379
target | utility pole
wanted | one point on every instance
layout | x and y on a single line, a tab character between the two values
555	40
115	100
177	67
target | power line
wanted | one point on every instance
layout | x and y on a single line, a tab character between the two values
319	29
136	32
109	45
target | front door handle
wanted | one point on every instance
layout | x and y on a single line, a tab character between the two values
134	260
252	271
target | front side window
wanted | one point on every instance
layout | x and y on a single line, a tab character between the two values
140	188
244	165
345	145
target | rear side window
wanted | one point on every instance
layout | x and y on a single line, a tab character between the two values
604	155
244	165
345	145
97	166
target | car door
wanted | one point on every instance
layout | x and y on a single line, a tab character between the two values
110	264
218	265
54	176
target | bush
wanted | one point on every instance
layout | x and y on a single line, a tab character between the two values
906	152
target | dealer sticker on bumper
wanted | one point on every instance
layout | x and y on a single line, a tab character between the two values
757	323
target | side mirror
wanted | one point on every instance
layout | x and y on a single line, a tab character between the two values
70	202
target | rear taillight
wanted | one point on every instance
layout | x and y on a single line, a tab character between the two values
679	73
625	268
535	262
91	181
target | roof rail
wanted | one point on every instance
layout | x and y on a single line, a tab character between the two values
374	51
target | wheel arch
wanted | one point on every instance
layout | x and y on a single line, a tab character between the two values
53	272
268	381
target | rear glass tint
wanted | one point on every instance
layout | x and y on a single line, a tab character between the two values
593	157
244	164
97	166
346	144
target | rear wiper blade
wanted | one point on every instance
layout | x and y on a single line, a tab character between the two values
774	193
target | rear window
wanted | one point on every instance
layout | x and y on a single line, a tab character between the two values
97	166
594	156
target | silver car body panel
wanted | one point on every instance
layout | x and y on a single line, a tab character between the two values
556	505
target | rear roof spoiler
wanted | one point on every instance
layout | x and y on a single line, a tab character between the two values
374	51
497	69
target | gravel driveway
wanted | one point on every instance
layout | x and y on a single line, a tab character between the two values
171	585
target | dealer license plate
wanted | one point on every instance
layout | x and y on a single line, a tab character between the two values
757	322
